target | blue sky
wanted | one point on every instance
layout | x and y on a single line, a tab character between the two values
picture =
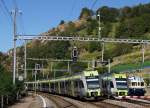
40	15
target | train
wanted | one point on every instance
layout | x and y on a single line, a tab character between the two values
84	85
114	84
89	84
136	86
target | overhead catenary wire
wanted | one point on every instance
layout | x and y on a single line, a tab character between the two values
72	7
6	10
94	3
21	23
15	4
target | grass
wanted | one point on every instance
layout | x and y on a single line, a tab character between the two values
129	67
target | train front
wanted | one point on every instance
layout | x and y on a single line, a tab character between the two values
121	84
93	90
136	86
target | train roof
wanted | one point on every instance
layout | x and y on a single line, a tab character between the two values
135	79
73	77
113	75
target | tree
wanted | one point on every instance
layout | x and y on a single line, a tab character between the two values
94	46
61	22
134	28
108	14
125	13
92	25
86	13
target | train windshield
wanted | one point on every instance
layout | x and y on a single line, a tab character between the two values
93	84
121	84
121	79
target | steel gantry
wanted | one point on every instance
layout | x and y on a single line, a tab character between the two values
74	38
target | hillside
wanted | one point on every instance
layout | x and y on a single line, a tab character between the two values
126	22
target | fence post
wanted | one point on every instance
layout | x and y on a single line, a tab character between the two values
7	99
2	101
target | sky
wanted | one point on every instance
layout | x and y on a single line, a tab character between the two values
38	16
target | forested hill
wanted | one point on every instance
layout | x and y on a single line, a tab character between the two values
126	22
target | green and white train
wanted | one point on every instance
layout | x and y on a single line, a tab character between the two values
88	85
113	85
84	85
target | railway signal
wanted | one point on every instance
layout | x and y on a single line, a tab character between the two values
74	54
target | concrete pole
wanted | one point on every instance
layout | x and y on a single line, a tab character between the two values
109	66
14	42
93	64
88	65
103	47
17	71
42	70
2	101
68	66
143	53
54	82
107	76
35	76
99	28
51	67
25	60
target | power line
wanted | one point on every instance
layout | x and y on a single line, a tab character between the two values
8	17
15	4
93	4
73	6
21	22
6	8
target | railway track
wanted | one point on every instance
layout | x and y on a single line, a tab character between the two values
105	105
60	102
141	103
65	102
129	103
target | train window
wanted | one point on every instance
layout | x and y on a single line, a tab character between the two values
111	84
134	83
62	84
67	83
42	85
92	84
121	79
56	84
46	85
104	84
81	84
75	83
142	83
52	85
138	83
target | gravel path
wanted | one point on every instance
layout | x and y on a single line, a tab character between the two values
27	102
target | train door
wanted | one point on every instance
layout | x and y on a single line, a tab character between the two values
59	91
49	87
65	90
81	87
76	88
72	88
